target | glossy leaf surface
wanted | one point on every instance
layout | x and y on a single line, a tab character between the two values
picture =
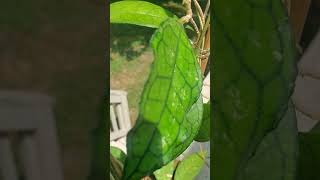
254	71
139	13
166	172
171	107
204	132
118	154
276	156
190	167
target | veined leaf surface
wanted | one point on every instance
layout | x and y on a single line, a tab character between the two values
254	71
166	172
204	131
170	107
277	154
139	13
190	167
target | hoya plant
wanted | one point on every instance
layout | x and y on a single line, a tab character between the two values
253	66
254	70
171	104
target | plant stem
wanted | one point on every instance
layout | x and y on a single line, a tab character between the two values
203	32
199	13
207	9
188	16
204	62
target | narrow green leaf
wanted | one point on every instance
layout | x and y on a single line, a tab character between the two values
204	132
170	107
189	27
118	154
254	64
190	167
277	152
166	172
140	13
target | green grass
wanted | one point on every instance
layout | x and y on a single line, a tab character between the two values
116	65
130	75
130	61
120	63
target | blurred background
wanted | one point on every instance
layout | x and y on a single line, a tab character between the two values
130	60
58	48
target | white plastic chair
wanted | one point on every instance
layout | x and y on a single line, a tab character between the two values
306	95
119	119
30	116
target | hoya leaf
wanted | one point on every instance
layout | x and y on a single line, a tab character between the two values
140	13
166	172
190	167
118	154
277	152
254	64
204	131
309	156
171	107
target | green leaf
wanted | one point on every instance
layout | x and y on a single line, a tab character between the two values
190	167
253	78
277	152
309	156
116	168
118	154
171	107
189	28
204	132
166	172
140	13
